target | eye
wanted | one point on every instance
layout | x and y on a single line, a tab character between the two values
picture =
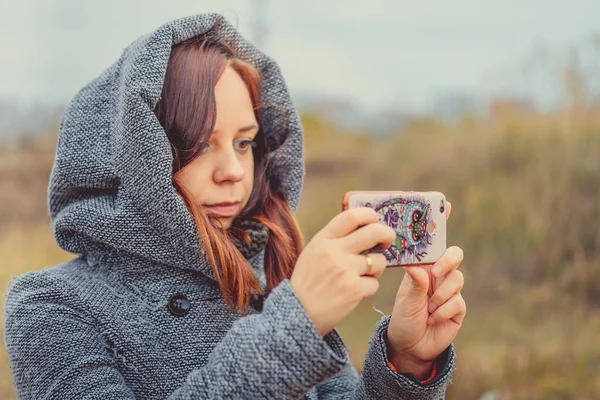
243	145
416	215
415	236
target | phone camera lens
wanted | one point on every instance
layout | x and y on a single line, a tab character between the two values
442	209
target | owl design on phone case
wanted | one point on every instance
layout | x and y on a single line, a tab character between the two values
416	218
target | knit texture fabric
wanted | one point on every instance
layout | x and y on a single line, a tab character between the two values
102	325
258	234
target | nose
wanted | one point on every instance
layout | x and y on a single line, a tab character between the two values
228	168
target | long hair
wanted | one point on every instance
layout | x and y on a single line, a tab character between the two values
187	112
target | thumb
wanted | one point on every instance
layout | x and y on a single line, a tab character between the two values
419	284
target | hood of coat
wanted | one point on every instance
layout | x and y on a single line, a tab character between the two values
111	182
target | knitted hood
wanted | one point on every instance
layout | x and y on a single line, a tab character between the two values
111	182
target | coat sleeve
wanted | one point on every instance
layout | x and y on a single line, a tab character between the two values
379	381
56	351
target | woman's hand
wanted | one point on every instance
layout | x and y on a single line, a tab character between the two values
428	312
329	276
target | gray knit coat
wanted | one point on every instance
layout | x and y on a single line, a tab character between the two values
137	313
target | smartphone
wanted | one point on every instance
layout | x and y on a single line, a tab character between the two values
419	219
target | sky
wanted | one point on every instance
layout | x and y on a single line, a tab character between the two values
378	54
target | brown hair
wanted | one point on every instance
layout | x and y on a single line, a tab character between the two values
187	112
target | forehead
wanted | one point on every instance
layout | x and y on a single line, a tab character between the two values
233	102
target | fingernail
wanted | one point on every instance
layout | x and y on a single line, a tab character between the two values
436	269
430	321
432	307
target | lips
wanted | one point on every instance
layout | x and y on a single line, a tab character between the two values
225	209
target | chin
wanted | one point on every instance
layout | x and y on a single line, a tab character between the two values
225	221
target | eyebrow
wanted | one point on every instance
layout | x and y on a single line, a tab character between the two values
243	129
248	128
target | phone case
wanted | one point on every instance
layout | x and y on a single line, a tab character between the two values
419	219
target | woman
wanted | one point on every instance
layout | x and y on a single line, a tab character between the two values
176	175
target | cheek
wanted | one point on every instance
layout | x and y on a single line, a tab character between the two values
195	178
249	175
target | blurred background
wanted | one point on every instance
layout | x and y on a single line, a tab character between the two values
495	103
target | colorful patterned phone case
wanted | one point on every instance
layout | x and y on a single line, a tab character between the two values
419	219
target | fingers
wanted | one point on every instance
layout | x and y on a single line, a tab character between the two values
368	286
454	309
348	221
419	278
378	264
452	284
368	236
449	261
448	209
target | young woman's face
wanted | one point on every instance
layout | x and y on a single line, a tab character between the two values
221	178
